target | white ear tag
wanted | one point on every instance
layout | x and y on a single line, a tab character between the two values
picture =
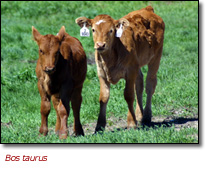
84	32
119	31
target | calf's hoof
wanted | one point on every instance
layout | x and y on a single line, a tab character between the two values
146	121
132	125
147	117
43	131
99	129
79	132
63	134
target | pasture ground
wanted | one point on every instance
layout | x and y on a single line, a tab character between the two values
174	104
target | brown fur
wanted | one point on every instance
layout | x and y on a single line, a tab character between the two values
61	70
140	44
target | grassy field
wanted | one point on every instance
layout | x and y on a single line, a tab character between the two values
176	94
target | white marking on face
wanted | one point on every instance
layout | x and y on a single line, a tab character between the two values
99	22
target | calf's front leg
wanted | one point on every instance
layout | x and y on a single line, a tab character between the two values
56	100
44	110
61	105
103	99
63	114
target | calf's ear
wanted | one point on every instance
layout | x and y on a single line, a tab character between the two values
124	22
61	33
36	34
81	20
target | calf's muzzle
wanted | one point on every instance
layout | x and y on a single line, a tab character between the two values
49	69
100	46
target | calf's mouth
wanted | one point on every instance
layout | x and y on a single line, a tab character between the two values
49	70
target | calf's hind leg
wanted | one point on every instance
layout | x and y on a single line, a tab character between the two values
139	86
76	106
129	97
151	82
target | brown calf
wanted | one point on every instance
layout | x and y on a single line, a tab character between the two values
61	70
140	44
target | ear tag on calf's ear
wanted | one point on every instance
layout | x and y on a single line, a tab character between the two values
119	31
84	32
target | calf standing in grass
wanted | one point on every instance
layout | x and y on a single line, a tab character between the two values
61	71
122	47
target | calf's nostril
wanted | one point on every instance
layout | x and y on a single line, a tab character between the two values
100	44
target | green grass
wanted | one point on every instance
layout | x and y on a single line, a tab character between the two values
148	135
177	87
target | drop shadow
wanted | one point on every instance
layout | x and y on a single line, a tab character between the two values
169	123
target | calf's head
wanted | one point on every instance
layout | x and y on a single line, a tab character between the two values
104	30
49	48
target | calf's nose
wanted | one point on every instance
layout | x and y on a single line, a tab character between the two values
100	44
49	69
